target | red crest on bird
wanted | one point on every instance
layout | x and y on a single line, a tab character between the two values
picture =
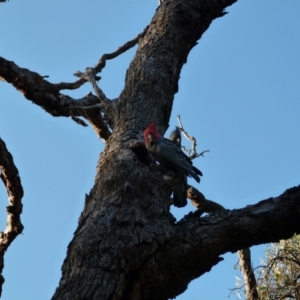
151	133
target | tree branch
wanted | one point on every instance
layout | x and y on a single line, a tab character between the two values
191	153
201	203
102	61
90	108
10	177
69	85
90	75
47	95
248	274
196	244
208	206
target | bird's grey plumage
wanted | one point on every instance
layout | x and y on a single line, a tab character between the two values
170	155
165	151
175	136
179	190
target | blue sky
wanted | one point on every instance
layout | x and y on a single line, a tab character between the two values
239	95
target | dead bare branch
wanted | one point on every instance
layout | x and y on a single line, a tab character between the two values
90	75
46	95
193	152
202	153
102	61
70	85
10	177
90	108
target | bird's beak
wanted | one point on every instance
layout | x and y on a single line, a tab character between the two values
150	137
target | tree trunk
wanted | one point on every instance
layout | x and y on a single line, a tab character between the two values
127	244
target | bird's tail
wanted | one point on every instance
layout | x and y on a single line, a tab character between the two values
196	173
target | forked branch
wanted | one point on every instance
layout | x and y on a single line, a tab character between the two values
90	75
47	95
193	152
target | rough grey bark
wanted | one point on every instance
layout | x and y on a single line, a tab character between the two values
127	244
208	206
